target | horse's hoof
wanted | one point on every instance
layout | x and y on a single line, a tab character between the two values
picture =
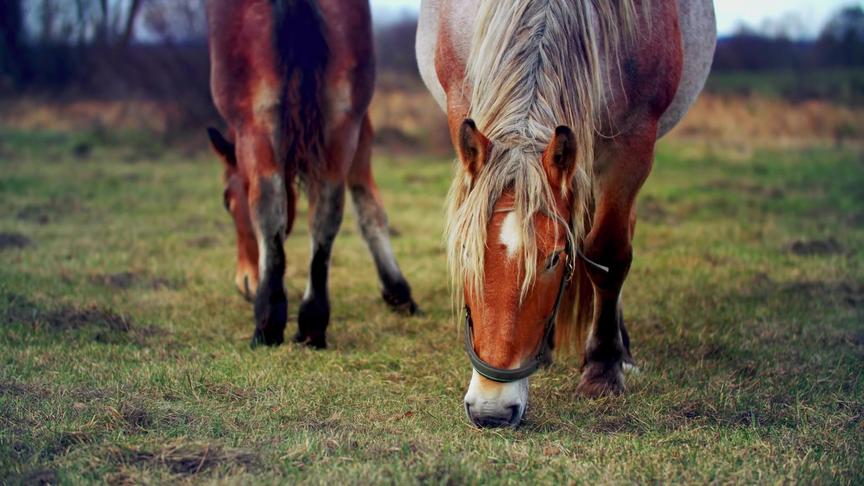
599	380
247	292
317	342
409	308
312	321
271	315
398	297
264	337
242	284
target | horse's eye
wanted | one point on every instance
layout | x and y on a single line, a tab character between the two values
553	260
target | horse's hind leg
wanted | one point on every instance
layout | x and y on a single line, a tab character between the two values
268	198
373	225
326	206
619	177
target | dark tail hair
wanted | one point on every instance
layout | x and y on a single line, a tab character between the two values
302	51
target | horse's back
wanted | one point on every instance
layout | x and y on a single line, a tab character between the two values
695	20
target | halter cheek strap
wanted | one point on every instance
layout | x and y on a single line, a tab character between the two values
543	356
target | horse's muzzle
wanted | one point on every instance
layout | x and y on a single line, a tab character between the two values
508	417
492	404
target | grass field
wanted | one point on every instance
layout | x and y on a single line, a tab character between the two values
844	86
124	346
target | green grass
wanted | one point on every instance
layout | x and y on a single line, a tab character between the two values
124	346
844	86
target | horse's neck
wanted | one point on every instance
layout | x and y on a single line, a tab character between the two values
444	38
443	45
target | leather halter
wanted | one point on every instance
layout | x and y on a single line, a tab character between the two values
543	356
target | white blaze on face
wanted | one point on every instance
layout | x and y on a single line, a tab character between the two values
510	236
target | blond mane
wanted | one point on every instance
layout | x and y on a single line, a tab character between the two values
533	65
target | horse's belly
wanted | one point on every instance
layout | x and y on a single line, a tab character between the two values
699	37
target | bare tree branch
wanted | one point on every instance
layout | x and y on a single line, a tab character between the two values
129	30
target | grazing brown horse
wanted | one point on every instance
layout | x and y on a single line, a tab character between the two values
554	107
293	80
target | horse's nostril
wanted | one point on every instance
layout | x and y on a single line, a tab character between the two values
490	421
514	414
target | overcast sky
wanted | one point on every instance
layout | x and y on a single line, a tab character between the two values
730	13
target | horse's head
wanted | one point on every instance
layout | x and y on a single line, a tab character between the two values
513	276
235	202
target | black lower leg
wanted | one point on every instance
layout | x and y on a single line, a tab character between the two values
314	315
271	303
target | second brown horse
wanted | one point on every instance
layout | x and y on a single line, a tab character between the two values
293	80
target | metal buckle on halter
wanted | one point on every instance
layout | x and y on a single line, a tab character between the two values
571	263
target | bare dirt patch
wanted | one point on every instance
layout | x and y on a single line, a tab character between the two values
110	325
10	240
34	214
692	411
36	476
190	459
848	292
76	318
127	280
22	389
136	416
828	246
64	442
50	211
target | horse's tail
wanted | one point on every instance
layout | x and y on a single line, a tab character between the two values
302	51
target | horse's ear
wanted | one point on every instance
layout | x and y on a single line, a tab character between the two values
473	147
223	148
559	158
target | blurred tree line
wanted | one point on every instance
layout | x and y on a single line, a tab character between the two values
840	43
50	43
156	49
107	50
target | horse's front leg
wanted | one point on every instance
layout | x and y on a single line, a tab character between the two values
620	174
